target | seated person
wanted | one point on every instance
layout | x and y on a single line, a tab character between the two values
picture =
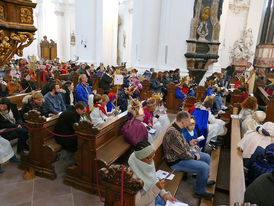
156	85
111	103
32	102
261	161
98	113
54	103
134	130
27	84
123	97
45	89
65	123
10	118
253	121
262	136
4	92
105	101
142	164
68	93
14	87
179	157
191	135
6	153
82	89
207	124
248	107
260	192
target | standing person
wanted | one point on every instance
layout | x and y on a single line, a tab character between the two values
176	77
229	72
54	102
65	124
82	89
179	157
250	76
27	84
100	70
106	80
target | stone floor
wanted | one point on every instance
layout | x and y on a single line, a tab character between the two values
15	191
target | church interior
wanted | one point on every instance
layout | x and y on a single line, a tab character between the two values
136	102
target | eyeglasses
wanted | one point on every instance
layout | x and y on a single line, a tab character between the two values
151	157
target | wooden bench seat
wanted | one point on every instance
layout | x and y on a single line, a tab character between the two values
214	164
237	180
17	99
109	155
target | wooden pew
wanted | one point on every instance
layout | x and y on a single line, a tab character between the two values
111	177
145	93
104	142
237	180
43	147
200	93
214	164
172	103
270	110
265	99
189	102
236	97
17	99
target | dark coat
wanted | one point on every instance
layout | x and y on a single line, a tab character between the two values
64	126
30	105
28	85
4	92
122	100
105	82
155	86
4	123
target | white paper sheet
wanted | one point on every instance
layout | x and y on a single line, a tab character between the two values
177	203
161	174
233	116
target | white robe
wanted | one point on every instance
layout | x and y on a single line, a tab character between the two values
215	127
6	151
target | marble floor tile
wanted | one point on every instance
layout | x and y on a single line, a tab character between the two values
45	188
24	204
11	174
59	200
16	193
85	199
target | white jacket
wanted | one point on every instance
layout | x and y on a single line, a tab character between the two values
97	116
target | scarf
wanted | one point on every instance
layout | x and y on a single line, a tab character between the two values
8	115
101	107
144	171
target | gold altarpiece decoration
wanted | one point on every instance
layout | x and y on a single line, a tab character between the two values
16	31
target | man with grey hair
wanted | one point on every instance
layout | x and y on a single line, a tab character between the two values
179	157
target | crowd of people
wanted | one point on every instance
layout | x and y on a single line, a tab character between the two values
187	141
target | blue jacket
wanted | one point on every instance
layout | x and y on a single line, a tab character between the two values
81	94
53	104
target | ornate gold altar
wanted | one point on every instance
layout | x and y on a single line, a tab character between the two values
16	28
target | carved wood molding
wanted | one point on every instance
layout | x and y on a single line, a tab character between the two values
34	116
12	43
112	175
85	127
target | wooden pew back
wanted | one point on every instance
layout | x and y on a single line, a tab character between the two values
172	103
200	93
43	147
104	143
17	99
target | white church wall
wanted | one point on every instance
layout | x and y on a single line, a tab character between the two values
160	31
237	16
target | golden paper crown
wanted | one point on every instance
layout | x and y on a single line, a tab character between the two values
136	107
157	96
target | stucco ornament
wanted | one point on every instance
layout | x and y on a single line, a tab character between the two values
242	47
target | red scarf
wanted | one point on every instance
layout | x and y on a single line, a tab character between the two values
101	107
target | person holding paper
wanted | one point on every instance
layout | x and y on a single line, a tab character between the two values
179	157
191	135
142	164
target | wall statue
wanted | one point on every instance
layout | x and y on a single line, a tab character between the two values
242	47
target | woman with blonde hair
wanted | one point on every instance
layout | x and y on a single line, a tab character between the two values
32	102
